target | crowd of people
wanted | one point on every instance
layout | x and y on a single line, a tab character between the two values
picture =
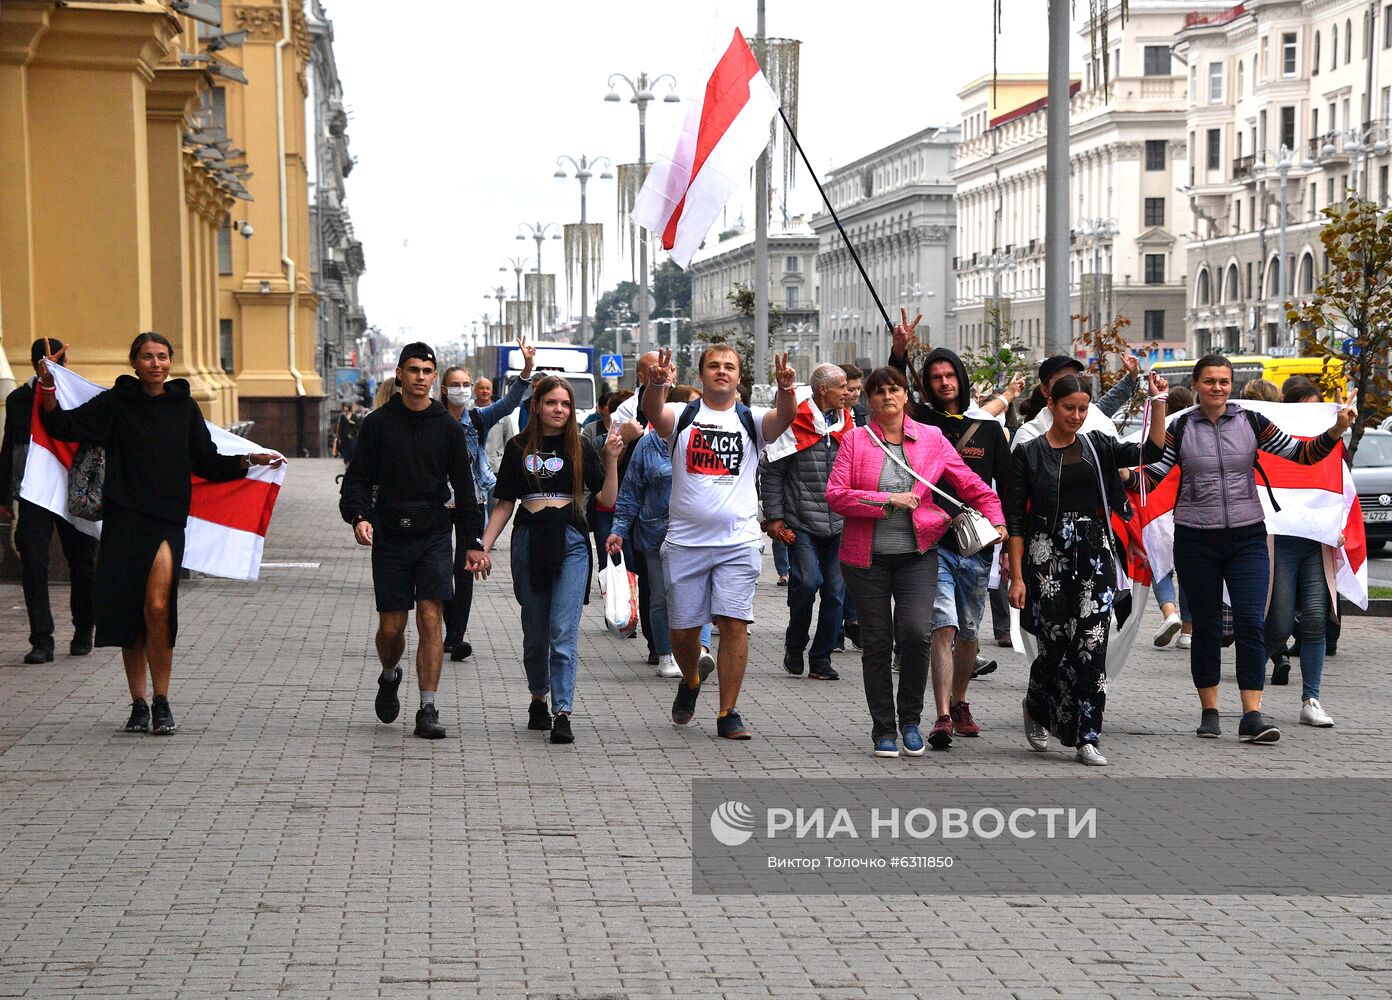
689	485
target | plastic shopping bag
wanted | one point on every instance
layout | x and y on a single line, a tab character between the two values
620	589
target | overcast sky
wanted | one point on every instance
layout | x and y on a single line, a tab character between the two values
458	116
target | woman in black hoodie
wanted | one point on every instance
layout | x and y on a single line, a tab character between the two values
155	441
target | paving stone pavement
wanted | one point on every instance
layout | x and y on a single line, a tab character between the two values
286	844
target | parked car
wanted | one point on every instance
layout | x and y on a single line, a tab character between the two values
1372	477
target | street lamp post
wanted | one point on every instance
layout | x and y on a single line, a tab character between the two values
538	232
498	293
1097	232
1284	162
1357	144
583	174
642	90
518	265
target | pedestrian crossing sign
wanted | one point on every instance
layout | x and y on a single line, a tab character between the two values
611	365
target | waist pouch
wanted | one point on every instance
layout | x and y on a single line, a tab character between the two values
413	518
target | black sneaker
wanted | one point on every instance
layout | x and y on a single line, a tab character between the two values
684	705
792	662
1256	728
1208	725
81	643
560	730
388	705
538	716
731	727
852	632
140	717
822	670
161	718
462	651
428	723
1280	672
38	655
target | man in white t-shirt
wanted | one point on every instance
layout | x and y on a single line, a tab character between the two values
714	548
1099	415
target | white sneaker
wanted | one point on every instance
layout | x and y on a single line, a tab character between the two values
1184	641
1312	713
667	666
1090	755
1035	735
1169	628
706	664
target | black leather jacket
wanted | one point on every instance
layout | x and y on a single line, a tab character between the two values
1032	489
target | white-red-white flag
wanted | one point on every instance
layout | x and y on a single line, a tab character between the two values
226	529
723	135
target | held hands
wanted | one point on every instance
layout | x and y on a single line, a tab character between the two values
904	501
528	356
362	532
664	372
46	376
782	373
476	561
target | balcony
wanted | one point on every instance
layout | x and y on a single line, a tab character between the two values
1242	166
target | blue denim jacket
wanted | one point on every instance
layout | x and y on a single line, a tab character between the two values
478	422
641	506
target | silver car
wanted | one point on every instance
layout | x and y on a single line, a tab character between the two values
1372	476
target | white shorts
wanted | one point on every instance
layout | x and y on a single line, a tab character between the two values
710	581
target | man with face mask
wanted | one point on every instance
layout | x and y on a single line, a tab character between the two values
477	421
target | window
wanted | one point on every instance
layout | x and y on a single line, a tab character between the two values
224	247
1240	79
1348	41
1314	123
1215	149
1249	280
1334	47
1154	324
1155	154
1387	27
225	345
1155	211
791	294
217	100
1215	83
1314	193
790	264
1264	63
1237	208
1154	269
1288	53
1386	103
1382	186
1329	192
1157	60
1314	58
1288	127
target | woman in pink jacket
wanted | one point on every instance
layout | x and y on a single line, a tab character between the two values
888	557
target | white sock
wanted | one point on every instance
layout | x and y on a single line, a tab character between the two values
427	698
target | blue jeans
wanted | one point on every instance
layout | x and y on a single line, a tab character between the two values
1299	586
814	569
551	619
657	606
1205	559
780	557
1168	591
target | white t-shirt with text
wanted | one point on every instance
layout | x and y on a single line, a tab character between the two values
715	499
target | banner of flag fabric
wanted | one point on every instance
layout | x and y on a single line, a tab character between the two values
809	427
723	135
226	529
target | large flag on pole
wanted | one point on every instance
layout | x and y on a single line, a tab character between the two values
226	529
723	135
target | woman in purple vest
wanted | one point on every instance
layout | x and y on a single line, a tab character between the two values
1220	534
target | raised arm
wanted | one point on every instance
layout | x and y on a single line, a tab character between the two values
1274	441
655	395
613	451
1120	394
779	419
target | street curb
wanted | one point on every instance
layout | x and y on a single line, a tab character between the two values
1378	607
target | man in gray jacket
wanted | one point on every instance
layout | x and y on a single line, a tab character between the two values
792	487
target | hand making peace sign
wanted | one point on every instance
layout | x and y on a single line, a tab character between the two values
664	372
528	356
785	376
55	359
903	330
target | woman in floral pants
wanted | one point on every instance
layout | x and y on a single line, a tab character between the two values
1063	488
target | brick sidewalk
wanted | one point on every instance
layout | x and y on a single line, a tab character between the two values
286	844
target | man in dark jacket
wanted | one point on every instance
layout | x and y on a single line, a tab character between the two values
409	449
962	580
792	487
34	529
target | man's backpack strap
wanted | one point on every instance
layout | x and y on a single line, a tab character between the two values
745	414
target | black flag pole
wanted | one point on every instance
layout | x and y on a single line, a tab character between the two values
840	228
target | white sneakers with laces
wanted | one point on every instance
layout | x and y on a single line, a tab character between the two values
667	666
1169	628
1312	713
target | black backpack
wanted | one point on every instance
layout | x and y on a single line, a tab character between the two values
1177	429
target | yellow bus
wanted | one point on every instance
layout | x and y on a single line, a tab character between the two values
1250	367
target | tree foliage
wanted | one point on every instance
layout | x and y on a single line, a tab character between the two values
1110	340
1348	321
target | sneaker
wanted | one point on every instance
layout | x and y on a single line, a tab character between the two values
462	651
538	716
388	705
81	643
684	704
1209	729
38	655
840	646
1280	672
940	736
962	722
822	670
1256	728
1312	713
1035	735
1169	628
140	717
161	718
667	666
913	741
792	662
1090	755
706	664
560	730
983	667
428	723
852	632
885	746
731	727
1185	640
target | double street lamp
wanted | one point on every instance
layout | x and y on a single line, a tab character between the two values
642	95
538	232
1094	232
498	293
518	265
583	174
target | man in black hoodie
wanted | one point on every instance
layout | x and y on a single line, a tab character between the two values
412	451
945	398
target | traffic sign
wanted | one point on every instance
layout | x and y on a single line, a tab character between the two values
1351	347
611	365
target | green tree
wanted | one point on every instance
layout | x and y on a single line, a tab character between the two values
1348	321
608	306
671	284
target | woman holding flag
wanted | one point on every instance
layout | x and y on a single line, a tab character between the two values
1220	533
155	441
1062	491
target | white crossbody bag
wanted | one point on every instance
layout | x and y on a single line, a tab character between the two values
970	529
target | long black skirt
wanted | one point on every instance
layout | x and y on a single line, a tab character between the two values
129	542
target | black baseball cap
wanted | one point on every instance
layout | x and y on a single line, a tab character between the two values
416	350
1050	367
